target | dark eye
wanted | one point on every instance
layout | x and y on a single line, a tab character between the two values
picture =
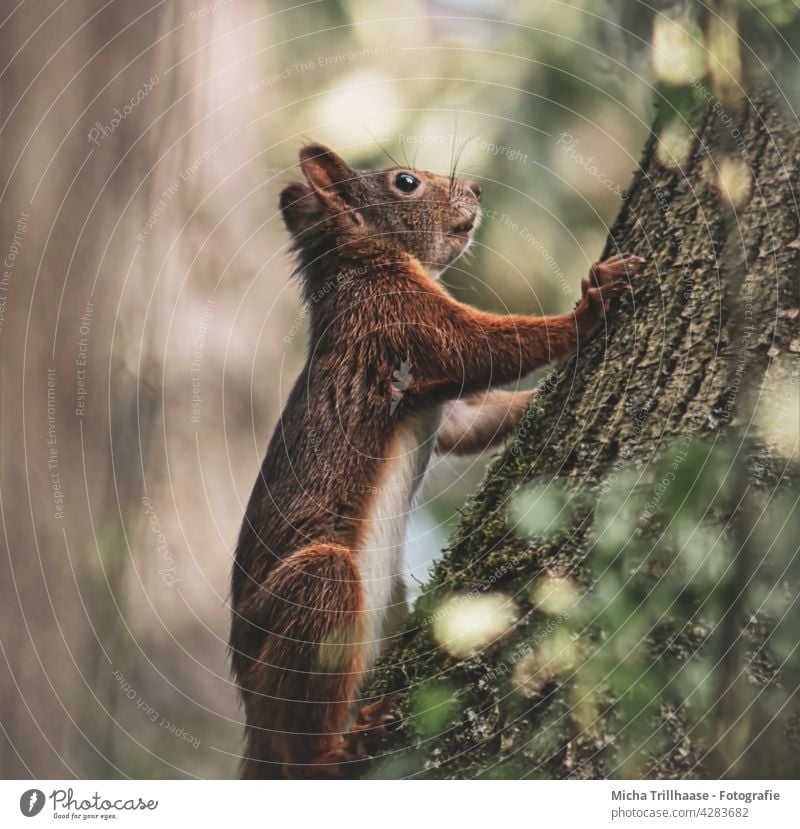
406	182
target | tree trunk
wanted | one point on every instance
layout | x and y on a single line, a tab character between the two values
106	210
652	632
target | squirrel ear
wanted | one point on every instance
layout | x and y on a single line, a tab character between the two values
332	179
300	206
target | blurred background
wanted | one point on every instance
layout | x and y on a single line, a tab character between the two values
150	329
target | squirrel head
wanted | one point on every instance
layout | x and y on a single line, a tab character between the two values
401	210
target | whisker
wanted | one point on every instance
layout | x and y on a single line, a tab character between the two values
385	151
464	146
458	158
452	154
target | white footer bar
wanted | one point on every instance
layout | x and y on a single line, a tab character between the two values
400	804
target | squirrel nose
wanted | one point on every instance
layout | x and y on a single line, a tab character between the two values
475	187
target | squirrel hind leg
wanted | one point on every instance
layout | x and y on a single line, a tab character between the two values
349	756
299	690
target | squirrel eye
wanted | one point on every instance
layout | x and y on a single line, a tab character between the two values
406	182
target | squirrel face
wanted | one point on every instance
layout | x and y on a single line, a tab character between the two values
402	211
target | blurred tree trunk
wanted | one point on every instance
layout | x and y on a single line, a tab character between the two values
700	352
136	208
78	416
63	503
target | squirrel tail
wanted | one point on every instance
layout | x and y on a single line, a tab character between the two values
298	689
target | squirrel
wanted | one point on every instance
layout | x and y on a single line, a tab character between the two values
396	370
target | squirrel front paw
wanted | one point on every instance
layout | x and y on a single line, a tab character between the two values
608	279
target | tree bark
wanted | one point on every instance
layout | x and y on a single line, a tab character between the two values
699	363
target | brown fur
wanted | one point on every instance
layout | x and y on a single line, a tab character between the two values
366	253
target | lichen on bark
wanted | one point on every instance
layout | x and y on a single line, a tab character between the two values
672	395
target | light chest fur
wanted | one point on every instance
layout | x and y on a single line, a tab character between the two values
380	556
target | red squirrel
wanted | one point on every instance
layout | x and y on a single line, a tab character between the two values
396	370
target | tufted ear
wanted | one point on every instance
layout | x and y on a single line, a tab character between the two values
333	181
300	207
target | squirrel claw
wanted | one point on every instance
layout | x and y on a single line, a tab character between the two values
607	280
350	756
373	724
615	267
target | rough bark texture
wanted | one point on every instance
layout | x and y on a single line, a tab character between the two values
708	334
